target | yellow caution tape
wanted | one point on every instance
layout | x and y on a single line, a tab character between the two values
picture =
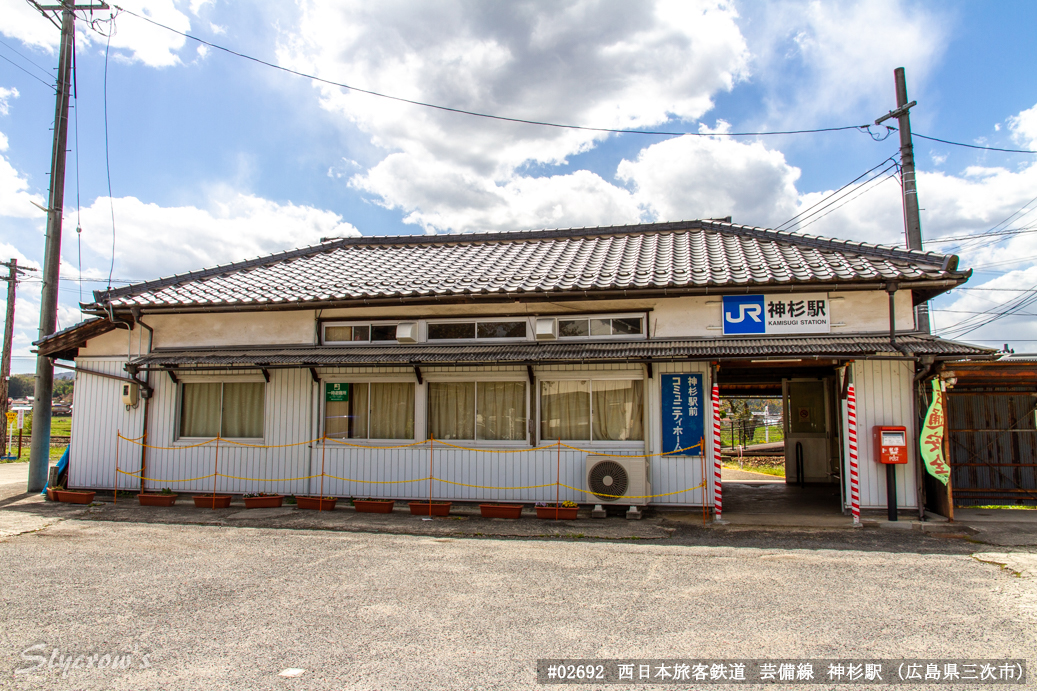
641	455
152	479
466	448
376	482
629	496
461	484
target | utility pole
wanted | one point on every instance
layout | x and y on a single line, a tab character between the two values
39	453
912	222
5	361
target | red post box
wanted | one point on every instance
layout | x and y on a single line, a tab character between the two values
890	444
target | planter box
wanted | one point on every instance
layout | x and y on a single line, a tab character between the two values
51	496
373	505
316	503
500	510
423	508
208	501
565	513
156	499
71	496
264	502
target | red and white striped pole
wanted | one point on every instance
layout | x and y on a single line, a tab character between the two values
851	429
717	504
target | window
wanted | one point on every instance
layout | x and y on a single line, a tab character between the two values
592	410
226	409
377	410
442	331
359	333
485	411
599	326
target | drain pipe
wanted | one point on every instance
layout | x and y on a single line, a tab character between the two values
891	289
146	392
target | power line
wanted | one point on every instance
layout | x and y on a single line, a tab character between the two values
461	111
831	196
49	86
975	146
26	58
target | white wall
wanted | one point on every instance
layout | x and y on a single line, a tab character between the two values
694	317
884	397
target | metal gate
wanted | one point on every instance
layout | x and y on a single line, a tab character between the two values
993	447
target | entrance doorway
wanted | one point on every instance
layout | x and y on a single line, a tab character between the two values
793	468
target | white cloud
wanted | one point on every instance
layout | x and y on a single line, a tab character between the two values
713	177
5	101
15	198
153	241
599	63
1024	128
830	61
134	39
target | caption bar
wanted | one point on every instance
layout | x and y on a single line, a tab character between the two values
963	671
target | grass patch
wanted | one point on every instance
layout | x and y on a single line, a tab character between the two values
1001	506
766	466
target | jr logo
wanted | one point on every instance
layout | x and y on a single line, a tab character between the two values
743	314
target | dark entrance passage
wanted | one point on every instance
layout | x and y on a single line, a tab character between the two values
808	444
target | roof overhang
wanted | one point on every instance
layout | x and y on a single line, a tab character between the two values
908	346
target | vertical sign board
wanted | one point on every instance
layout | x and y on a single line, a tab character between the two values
682	410
796	313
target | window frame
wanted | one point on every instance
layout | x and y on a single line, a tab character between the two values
591	377
476	378
370	324
182	379
367	379
475	321
642	335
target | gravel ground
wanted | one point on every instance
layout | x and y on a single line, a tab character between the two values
229	607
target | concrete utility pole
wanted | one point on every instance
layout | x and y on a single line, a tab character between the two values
5	361
39	454
912	222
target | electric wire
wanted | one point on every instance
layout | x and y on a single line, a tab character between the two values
489	116
864	189
25	57
48	85
974	146
828	200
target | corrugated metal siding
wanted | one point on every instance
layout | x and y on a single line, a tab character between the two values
291	418
993	447
884	397
98	416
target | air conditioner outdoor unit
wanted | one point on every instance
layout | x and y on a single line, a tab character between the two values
618	480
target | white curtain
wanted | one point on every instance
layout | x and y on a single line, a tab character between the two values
451	410
618	410
200	410
565	410
243	410
348	419
502	411
392	411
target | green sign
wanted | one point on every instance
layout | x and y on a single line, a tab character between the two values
931	440
336	393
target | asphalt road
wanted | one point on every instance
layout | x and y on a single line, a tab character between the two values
230	607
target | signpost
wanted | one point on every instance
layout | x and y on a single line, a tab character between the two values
336	393
782	313
682	413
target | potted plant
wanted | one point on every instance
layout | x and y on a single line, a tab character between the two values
426	508
500	510
374	505
263	500
164	498
212	501
72	496
317	503
564	511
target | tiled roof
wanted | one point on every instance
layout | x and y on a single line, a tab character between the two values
571	352
680	256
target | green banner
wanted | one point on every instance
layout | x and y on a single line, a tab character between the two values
336	393
931	441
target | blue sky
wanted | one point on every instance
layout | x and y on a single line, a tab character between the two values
214	158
